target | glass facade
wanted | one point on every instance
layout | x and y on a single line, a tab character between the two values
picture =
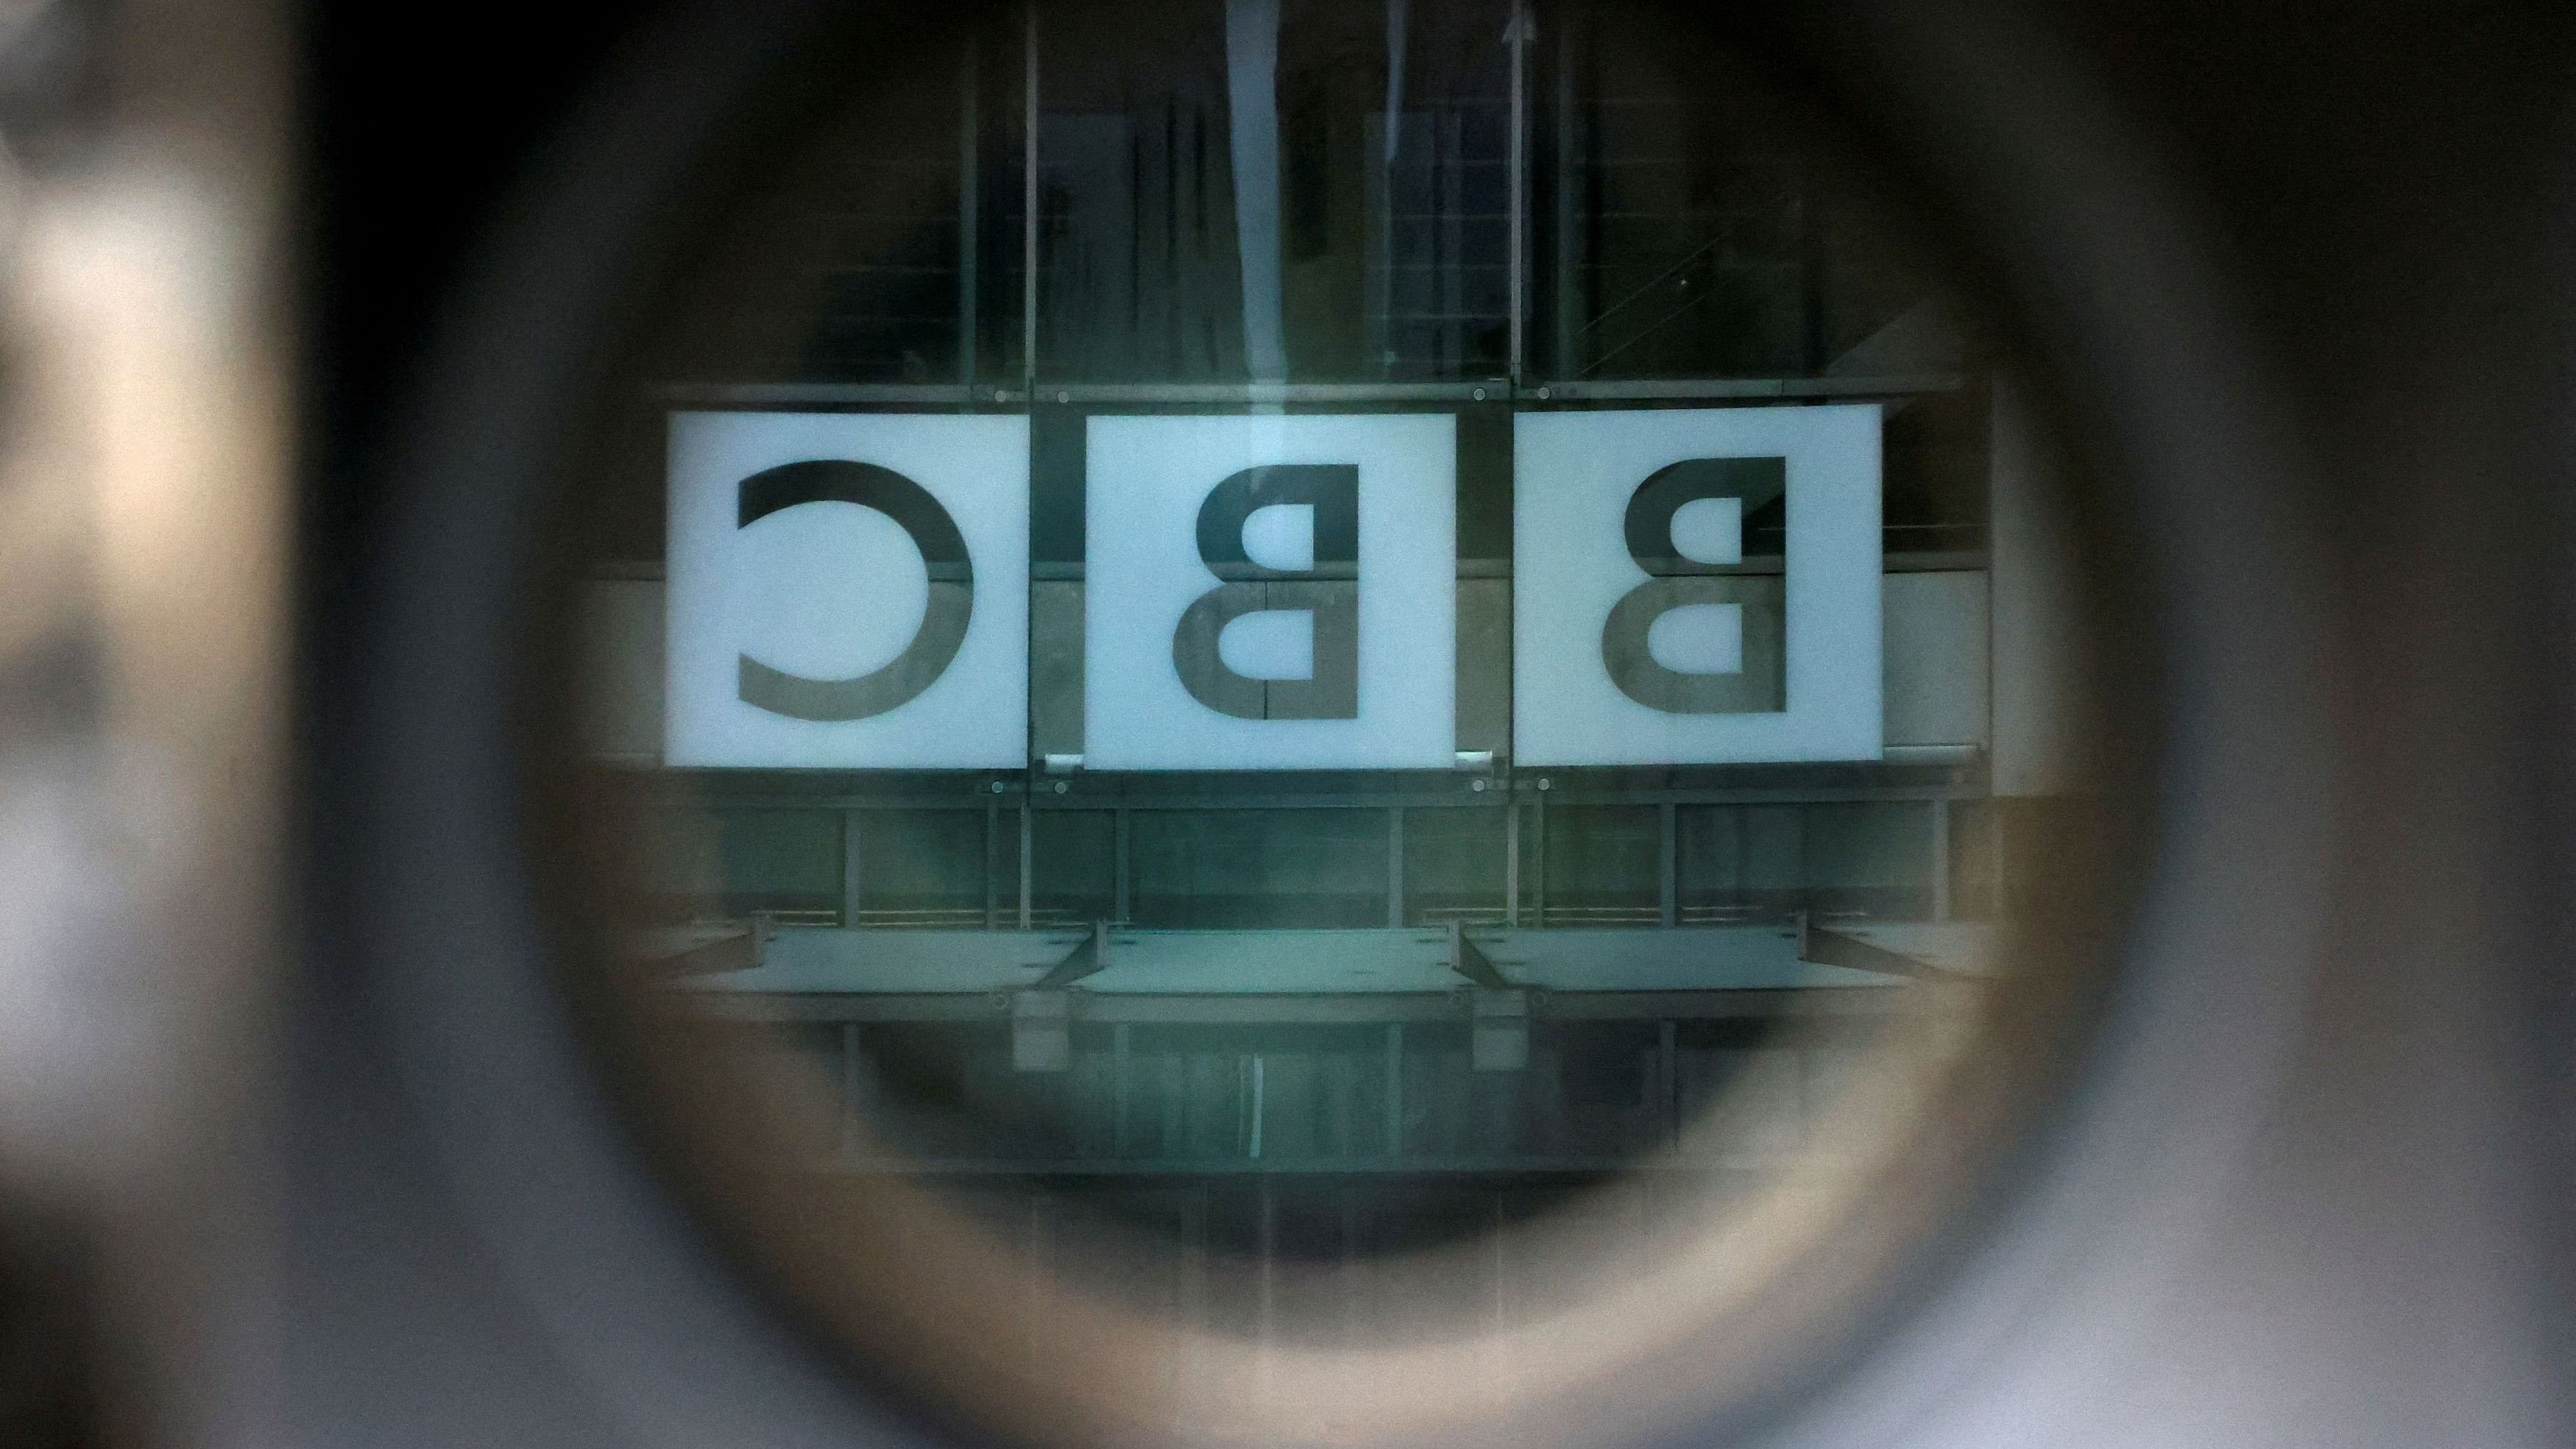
1460	208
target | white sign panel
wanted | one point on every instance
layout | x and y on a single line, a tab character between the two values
848	591
1644	632
1271	593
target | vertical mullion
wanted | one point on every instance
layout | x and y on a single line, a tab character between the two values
1119	906
1448	154
969	208
1740	832
1519	302
1668	861
992	863
1395	866
1378	306
1029	211
1806	887
1538	857
1569	279
1028	861
1941	859
851	842
1511	859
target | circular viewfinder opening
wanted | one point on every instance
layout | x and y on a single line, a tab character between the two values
1328	723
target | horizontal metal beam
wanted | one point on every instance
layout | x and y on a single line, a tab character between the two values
1716	389
1258	394
1072	571
1218	394
1565	794
1462	796
1327	1010
1372	1009
825	394
1643	1161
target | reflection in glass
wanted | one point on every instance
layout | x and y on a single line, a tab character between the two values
1347	1058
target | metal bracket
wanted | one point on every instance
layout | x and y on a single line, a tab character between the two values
1089	957
1469	961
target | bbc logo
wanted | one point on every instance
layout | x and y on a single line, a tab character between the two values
1273	592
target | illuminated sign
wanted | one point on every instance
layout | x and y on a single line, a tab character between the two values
851	591
1696	586
847	591
1270	593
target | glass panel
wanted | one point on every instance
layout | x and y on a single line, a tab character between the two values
1241	868
1604	865
1187	1094
1138	272
1073	863
889	311
1454	866
1439	200
1870	858
1690	235
922	868
782	863
1221	197
1740	863
891	242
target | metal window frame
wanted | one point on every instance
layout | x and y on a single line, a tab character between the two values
1524	846
1517	388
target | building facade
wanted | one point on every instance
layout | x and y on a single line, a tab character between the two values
1324	1011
